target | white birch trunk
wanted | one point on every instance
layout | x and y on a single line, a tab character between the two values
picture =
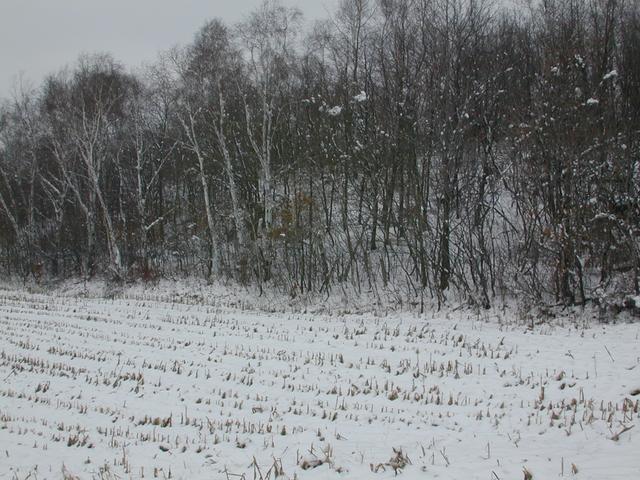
238	216
208	206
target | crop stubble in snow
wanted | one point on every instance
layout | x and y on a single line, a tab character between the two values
144	388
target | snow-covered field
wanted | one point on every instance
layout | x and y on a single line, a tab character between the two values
134	388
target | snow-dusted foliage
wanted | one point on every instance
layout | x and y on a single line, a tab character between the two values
428	149
361	97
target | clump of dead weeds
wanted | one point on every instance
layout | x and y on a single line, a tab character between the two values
397	462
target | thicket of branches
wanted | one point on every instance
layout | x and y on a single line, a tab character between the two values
424	146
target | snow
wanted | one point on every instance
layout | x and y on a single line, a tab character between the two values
593	101
361	97
183	386
335	111
611	74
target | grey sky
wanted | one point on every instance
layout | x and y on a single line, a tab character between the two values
40	36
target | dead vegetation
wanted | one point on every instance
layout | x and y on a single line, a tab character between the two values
187	381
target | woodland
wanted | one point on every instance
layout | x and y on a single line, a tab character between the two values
432	148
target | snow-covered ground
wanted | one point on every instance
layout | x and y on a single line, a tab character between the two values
140	387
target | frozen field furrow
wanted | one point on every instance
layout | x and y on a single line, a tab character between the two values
146	388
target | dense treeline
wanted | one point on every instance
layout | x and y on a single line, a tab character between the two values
424	146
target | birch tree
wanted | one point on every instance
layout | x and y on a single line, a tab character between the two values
84	108
267	37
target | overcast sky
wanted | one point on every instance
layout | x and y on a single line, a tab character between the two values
40	36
